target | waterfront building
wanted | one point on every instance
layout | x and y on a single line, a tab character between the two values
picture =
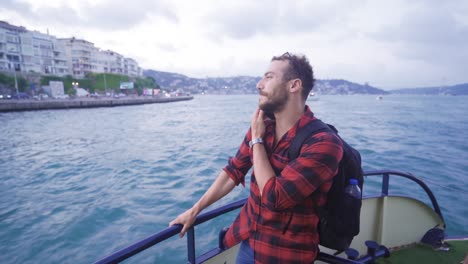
39	55
131	67
80	55
60	62
10	49
113	62
30	51
33	51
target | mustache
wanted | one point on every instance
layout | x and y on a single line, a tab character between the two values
262	93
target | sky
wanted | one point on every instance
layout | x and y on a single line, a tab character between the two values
387	44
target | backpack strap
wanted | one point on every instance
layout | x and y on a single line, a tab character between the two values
303	133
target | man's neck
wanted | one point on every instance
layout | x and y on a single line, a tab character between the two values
287	118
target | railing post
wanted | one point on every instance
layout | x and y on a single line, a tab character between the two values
191	245
385	183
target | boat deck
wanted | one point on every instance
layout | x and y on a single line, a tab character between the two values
419	253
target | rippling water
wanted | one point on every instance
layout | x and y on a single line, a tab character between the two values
77	185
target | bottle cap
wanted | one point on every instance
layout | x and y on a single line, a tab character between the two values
353	181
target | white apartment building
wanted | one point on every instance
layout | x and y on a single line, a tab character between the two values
10	49
60	62
43	53
113	62
80	54
131	67
32	51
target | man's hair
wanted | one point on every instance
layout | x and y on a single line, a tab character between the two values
299	68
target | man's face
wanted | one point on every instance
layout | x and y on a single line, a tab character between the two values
273	89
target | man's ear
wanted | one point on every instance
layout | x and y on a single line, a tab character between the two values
295	86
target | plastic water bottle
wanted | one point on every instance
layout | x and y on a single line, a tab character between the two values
353	189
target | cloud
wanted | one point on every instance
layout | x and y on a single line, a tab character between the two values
117	15
241	19
426	30
60	16
167	47
15	5
427	43
246	19
427	24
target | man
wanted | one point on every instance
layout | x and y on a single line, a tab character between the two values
278	223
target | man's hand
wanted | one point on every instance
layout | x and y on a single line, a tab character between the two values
257	124
220	187
185	219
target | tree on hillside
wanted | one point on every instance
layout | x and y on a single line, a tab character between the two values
141	84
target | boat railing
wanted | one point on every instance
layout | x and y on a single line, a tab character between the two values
171	231
386	183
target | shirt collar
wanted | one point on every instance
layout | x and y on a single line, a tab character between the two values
307	117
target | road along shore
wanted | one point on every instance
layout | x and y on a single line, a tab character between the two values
30	105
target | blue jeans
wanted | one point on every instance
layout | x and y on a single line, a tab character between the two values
245	254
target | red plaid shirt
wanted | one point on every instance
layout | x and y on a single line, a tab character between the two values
281	225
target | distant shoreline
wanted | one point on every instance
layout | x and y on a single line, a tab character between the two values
51	104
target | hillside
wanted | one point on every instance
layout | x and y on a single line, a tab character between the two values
459	89
345	87
247	85
228	85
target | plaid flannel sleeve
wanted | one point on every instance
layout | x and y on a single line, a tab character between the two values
239	165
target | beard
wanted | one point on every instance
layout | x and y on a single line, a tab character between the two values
274	103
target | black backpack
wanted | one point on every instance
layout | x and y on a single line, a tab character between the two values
339	218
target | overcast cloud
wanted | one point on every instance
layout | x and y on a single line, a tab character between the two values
389	44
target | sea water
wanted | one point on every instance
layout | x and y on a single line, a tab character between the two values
77	185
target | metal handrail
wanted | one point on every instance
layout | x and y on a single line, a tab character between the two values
152	240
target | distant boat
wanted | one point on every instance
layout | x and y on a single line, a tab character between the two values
312	97
380	97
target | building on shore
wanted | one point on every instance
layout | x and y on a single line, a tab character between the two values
10	49
32	51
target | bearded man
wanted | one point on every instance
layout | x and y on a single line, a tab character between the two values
278	223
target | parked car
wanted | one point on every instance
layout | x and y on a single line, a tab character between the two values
20	96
